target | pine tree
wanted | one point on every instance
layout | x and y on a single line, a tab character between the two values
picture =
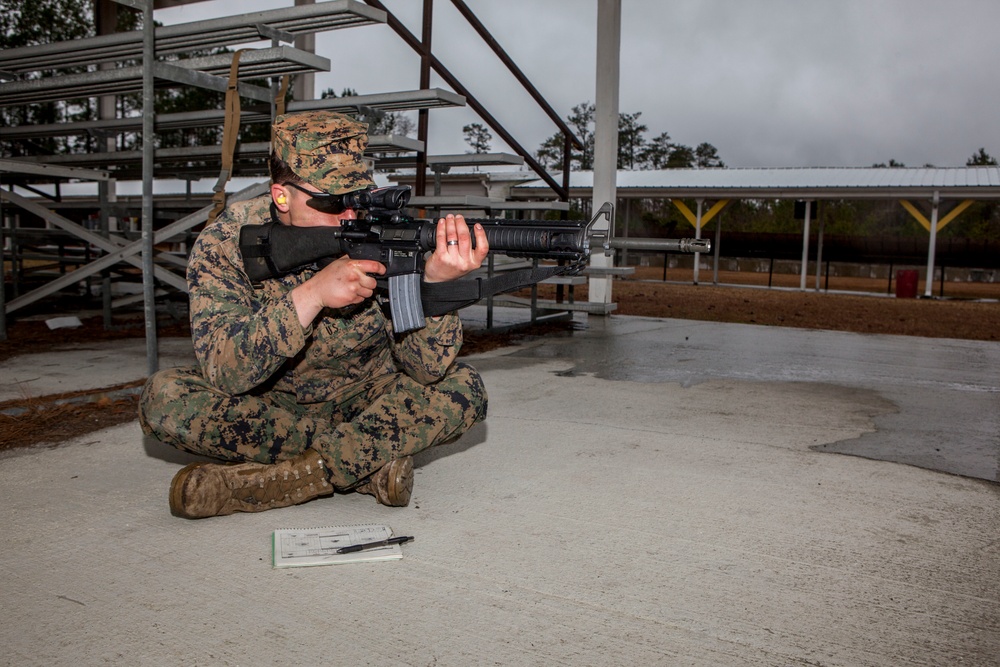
478	137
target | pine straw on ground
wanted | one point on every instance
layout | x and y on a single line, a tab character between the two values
53	419
39	420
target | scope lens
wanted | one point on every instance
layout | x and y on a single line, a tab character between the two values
359	199
391	198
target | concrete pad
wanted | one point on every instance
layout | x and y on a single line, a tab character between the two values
86	366
590	521
947	392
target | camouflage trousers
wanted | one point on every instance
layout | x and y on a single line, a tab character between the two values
393	416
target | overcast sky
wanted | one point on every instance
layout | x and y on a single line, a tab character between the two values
770	83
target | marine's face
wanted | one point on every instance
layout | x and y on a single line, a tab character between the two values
304	205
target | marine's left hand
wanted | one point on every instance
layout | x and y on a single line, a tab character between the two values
453	255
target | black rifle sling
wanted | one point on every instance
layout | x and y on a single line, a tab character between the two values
440	298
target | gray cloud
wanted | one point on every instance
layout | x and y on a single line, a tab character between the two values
769	82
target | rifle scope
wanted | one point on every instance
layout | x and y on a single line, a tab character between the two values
362	200
388	198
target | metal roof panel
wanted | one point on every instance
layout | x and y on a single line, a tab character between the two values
813	182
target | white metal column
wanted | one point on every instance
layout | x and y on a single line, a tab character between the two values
609	16
819	250
697	235
805	247
932	249
304	87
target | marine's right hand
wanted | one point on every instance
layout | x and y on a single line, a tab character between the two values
343	282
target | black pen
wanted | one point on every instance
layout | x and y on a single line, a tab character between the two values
373	545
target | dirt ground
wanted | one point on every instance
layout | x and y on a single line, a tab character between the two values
968	311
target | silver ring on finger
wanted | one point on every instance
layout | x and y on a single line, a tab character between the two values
453	242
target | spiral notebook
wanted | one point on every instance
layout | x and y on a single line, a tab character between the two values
303	547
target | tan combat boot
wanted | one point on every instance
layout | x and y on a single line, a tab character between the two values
214	489
391	484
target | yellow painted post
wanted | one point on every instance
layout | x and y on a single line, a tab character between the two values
698	220
934	226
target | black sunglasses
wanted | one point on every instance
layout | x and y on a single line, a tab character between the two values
334	204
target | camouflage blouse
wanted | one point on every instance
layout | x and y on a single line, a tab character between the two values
248	337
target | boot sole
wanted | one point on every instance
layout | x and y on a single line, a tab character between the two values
400	486
177	491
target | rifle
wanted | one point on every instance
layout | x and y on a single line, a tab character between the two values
386	235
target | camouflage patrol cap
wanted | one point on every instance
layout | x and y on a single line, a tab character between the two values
324	149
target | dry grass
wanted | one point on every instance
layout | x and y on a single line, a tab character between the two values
53	419
866	310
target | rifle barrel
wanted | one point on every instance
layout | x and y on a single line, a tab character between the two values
663	245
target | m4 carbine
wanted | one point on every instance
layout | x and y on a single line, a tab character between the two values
386	235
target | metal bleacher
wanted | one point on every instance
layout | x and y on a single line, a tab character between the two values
36	74
172	56
254	64
402	101
192	36
257	150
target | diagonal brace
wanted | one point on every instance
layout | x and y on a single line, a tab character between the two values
116	252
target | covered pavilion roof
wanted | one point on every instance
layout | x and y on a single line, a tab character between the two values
795	183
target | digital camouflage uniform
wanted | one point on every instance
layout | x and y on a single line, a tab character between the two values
266	389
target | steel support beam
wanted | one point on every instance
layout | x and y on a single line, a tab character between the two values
932	246
199	79
148	120
697	234
805	246
52	171
471	100
516	71
606	131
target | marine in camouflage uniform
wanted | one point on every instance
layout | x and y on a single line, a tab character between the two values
340	403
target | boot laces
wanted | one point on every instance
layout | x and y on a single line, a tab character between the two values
270	486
